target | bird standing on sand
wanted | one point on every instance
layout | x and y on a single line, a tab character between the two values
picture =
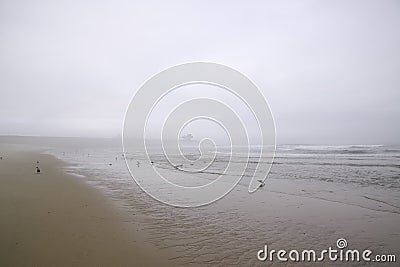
37	167
138	164
262	183
178	166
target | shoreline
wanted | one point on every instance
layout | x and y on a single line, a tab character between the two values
123	222
53	218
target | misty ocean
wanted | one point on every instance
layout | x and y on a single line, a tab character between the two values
363	181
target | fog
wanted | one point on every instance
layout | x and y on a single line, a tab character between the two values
329	69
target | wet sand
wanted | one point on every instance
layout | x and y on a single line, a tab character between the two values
58	219
53	219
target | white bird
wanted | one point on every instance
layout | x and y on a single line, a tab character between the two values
262	183
178	166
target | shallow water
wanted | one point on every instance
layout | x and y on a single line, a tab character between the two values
313	196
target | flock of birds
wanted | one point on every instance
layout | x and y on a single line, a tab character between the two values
138	163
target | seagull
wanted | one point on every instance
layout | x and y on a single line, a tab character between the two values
178	166
138	163
37	170
262	183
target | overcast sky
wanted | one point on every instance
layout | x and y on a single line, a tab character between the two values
329	69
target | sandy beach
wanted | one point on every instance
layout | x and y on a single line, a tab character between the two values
85	210
199	133
53	219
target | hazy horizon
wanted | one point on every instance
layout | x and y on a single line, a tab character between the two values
119	138
329	70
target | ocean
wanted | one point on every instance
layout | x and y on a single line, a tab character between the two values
313	195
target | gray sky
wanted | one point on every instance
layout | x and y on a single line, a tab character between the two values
329	69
